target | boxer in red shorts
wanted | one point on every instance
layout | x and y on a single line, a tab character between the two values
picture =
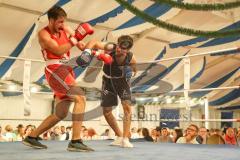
56	40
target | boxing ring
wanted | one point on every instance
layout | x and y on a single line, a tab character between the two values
167	90
141	151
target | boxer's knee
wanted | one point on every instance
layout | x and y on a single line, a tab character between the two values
107	112
62	108
126	107
75	91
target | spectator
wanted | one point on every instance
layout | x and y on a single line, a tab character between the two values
33	127
177	133
9	135
56	134
190	136
92	134
63	133
2	139
20	132
154	135
134	133
230	137
139	131
165	138
218	131
202	135
85	135
106	134
28	130
63	129
158	134
211	132
215	139
238	136
68	132
146	135
208	132
83	128
225	127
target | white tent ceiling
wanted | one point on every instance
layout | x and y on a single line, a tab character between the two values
17	17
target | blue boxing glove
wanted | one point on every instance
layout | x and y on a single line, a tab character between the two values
85	58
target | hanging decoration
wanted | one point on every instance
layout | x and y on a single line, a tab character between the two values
175	28
201	7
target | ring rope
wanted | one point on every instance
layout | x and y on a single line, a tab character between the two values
143	62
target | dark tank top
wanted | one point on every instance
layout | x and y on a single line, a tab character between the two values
115	69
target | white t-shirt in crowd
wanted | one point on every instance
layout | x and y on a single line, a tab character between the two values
183	140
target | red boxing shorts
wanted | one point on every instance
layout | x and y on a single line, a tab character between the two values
60	78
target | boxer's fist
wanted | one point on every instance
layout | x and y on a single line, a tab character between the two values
83	30
84	59
106	58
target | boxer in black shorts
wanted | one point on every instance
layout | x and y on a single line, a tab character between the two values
116	83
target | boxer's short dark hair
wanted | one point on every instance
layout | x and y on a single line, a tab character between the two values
125	42
55	12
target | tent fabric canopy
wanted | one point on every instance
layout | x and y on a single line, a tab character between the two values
21	21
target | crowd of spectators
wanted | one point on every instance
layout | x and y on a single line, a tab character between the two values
192	134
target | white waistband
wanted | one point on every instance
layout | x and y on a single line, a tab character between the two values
56	61
111	77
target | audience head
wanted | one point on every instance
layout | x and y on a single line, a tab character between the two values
20	129
8	128
230	132
107	131
164	132
177	133
134	130
145	132
28	130
158	129
192	130
63	129
202	132
91	132
153	132
238	132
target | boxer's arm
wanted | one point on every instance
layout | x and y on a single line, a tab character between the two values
48	43
70	32
94	44
133	64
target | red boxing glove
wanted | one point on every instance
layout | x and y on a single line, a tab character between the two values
106	58
83	30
